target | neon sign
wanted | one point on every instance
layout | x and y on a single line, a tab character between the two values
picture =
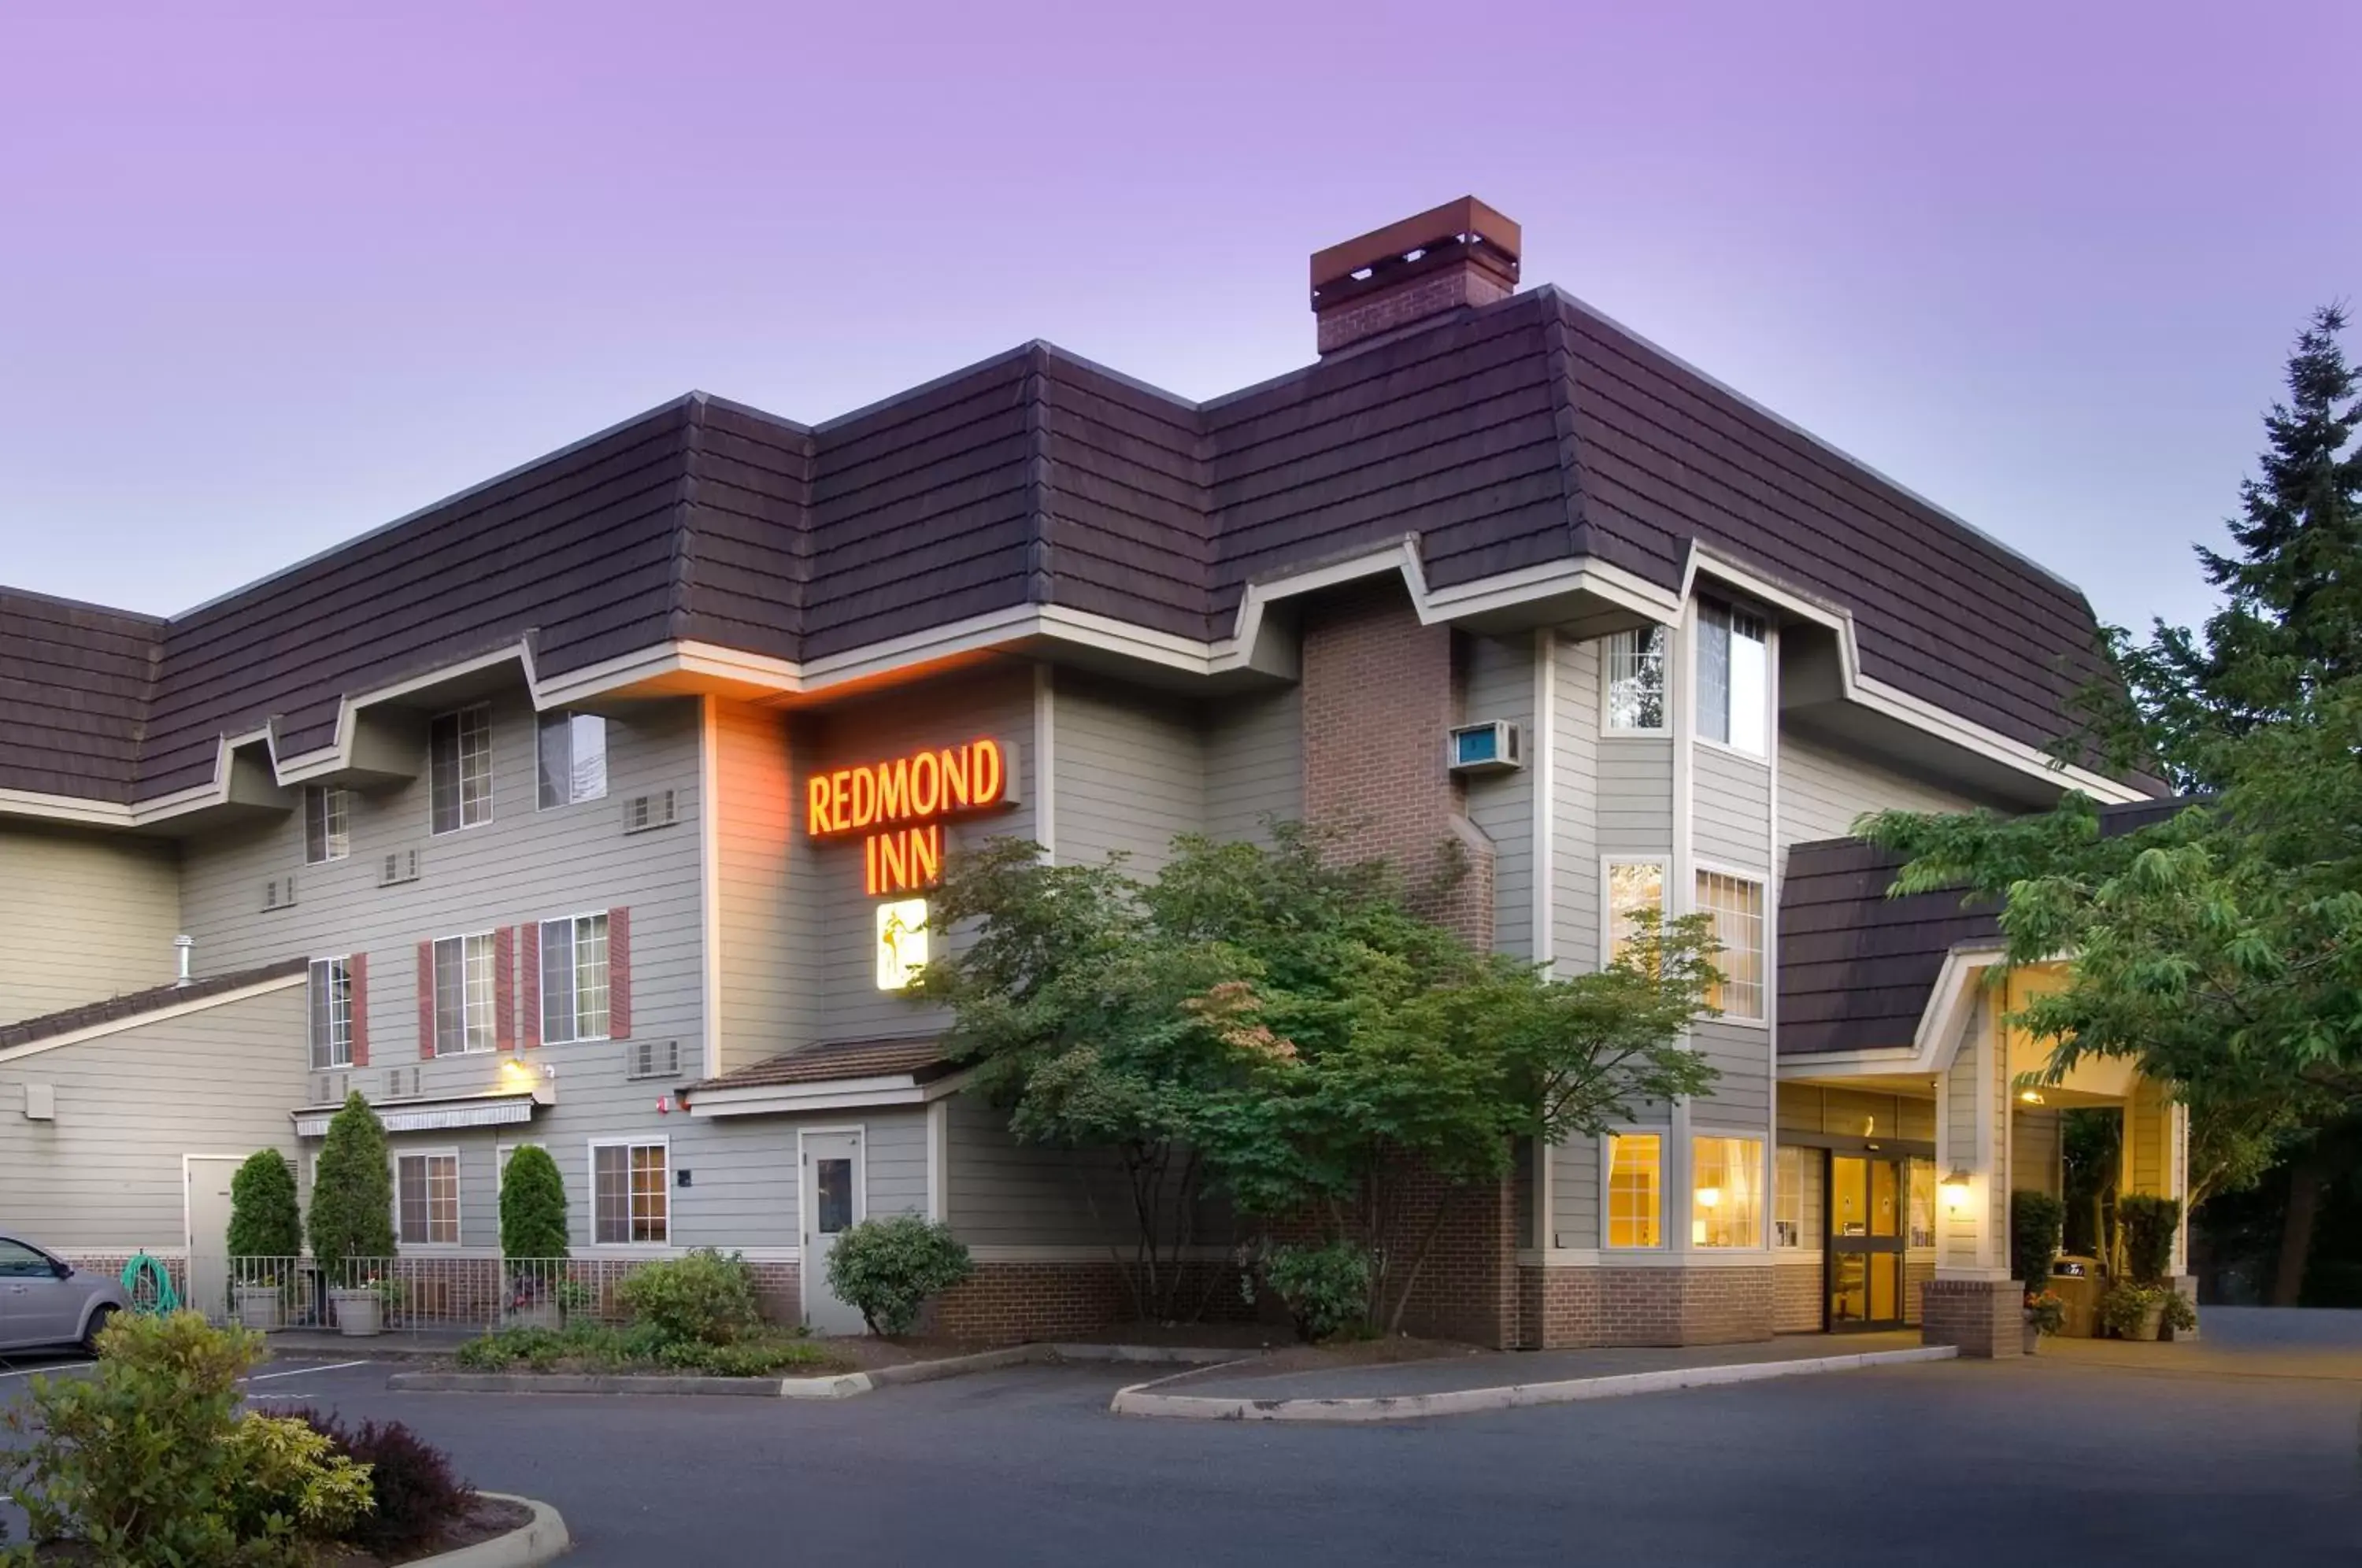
899	807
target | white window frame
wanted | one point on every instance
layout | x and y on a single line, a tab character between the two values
1608	929
591	1165
312	1017
1754	1135
458	1201
1786	1195
1735	608
491	1004
1665	1137
1607	726
336	806
573	923
459	768
575	796
1764	978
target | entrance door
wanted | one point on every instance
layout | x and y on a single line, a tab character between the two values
1865	1243
209	1177
833	1202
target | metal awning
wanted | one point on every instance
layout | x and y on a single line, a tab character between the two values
436	1115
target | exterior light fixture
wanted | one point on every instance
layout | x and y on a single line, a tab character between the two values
1956	1190
2031	1096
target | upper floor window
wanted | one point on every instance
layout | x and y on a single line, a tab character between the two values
574	979
1634	886
327	823
1634	701
460	769
331	1013
573	759
1736	904
1734	686
464	1019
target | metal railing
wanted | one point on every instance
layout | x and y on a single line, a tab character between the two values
407	1294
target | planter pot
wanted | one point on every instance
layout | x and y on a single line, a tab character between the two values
537	1315
260	1306
2033	1339
2151	1321
359	1313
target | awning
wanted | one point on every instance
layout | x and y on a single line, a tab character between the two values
438	1115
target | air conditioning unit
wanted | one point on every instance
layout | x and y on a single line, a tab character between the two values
655	810
652	1059
1495	747
402	866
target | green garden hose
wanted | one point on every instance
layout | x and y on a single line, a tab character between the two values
148	1284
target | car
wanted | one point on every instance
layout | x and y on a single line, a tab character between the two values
45	1301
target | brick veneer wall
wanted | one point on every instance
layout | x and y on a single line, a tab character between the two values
1468	1287
1566	1308
1007	1302
1383	310
1917	1273
1797	1307
1983	1317
1378	699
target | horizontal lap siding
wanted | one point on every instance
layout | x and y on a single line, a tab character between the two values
1130	772
1730	810
766	1001
1635	801
82	918
1004	1192
1254	761
1499	684
895	1162
1823	792
106	1174
1742	1057
1575	809
1574	1193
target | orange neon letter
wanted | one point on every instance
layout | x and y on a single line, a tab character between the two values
987	773
926	784
926	854
894	789
816	822
865	797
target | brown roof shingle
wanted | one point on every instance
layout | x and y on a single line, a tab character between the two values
922	1057
134	1003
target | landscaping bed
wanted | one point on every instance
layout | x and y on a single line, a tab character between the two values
489	1519
589	1348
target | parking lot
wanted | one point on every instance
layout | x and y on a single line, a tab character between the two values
2052	1460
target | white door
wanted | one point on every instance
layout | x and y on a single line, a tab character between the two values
209	1177
833	1202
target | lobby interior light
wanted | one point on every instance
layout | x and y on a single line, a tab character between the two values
1956	1190
1709	1196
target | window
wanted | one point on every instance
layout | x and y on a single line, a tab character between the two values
1733	676
574	979
460	769
1634	702
327	818
1923	1204
19	1261
331	1013
628	1194
573	759
1788	1197
1725	1191
463	994
1634	886
1737	905
1634	1168
426	1199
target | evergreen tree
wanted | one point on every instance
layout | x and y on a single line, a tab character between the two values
533	1206
352	1191
263	1219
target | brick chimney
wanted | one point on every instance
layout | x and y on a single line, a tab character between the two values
1456	256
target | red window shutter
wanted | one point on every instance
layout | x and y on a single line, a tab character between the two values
619	974
531	975
426	1001
503	988
358	967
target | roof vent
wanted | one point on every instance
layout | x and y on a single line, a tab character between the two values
1454	257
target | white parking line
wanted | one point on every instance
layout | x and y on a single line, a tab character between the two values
61	1367
301	1371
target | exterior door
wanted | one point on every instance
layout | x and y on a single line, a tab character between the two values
209	1177
37	1307
833	1202
1865	1243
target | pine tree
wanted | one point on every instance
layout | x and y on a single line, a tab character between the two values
533	1206
352	1191
263	1219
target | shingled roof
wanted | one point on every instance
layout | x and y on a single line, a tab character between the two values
1525	432
923	1058
133	1005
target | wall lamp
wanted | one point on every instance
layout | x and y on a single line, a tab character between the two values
1955	1188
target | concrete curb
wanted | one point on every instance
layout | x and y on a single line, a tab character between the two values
541	1539
585	1382
839	1385
1141	1399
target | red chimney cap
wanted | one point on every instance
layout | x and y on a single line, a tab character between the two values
1495	242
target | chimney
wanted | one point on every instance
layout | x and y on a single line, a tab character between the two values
1454	257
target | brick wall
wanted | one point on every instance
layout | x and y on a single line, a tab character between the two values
1917	1273
1378	698
1558	1307
1468	1289
1005	1303
1983	1317
1568	1307
1383	310
1797	1308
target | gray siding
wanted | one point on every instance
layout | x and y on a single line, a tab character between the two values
106	1174
1130	772
765	1003
1254	761
1823	790
1742	1055
1730	806
1574	808
1003	1193
1499	684
82	918
1635	805
1574	1193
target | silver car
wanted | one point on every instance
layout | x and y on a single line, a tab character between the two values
45	1301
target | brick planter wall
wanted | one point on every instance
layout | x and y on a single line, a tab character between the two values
1986	1318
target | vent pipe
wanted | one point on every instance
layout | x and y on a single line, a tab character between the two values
183	944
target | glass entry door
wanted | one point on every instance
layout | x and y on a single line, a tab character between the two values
1865	1243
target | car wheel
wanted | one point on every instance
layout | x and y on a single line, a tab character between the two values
98	1321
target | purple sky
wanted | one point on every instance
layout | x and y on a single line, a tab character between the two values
267	280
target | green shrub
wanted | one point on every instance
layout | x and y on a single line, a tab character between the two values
149	1462
533	1206
411	1479
2149	1226
1325	1289
2034	1219
352	1191
887	1268
704	1298
263	1219
594	1347
749	1358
